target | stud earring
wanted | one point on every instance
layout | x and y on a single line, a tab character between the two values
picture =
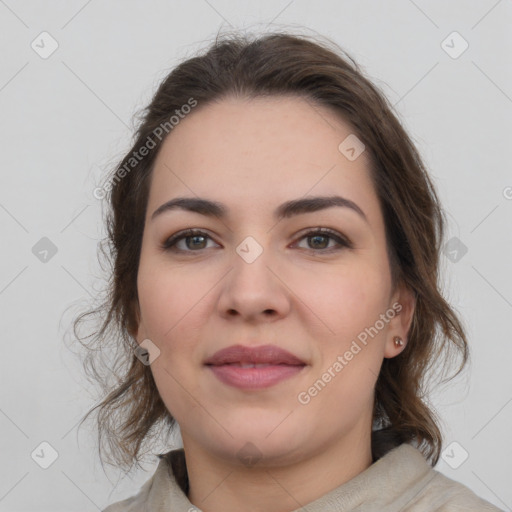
398	341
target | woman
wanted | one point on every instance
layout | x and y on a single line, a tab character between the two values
275	242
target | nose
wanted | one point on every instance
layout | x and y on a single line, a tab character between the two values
254	291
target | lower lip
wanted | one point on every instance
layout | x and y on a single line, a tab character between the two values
254	378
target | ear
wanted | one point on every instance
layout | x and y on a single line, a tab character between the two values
136	329
403	302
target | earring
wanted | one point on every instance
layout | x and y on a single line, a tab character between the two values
398	341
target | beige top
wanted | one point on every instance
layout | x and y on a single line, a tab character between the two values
400	481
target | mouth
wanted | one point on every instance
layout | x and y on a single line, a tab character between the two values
254	367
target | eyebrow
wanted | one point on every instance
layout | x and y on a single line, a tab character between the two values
285	210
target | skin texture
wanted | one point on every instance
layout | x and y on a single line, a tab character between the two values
312	300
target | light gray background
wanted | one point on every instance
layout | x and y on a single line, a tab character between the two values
67	118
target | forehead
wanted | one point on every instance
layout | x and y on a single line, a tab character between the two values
255	153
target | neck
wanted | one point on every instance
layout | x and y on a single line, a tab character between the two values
217	485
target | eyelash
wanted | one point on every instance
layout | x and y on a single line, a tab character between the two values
343	242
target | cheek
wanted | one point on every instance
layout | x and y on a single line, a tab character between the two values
347	300
172	310
351	354
169	298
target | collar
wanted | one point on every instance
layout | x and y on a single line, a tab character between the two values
393	480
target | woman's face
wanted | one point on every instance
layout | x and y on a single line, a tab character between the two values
260	275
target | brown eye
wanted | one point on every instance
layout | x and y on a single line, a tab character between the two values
193	241
318	240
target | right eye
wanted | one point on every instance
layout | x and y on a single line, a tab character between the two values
194	241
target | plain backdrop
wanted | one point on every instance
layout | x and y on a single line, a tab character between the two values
66	118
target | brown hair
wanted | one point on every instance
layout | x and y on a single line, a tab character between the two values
269	65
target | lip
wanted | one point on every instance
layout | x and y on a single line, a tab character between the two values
232	366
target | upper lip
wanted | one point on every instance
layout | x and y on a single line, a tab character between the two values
263	354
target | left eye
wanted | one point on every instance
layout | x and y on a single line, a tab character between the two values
318	239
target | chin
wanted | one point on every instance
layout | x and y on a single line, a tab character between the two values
258	443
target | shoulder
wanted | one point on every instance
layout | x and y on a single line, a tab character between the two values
444	494
435	492
136	503
158	490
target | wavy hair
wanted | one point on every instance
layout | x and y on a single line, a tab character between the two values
131	410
